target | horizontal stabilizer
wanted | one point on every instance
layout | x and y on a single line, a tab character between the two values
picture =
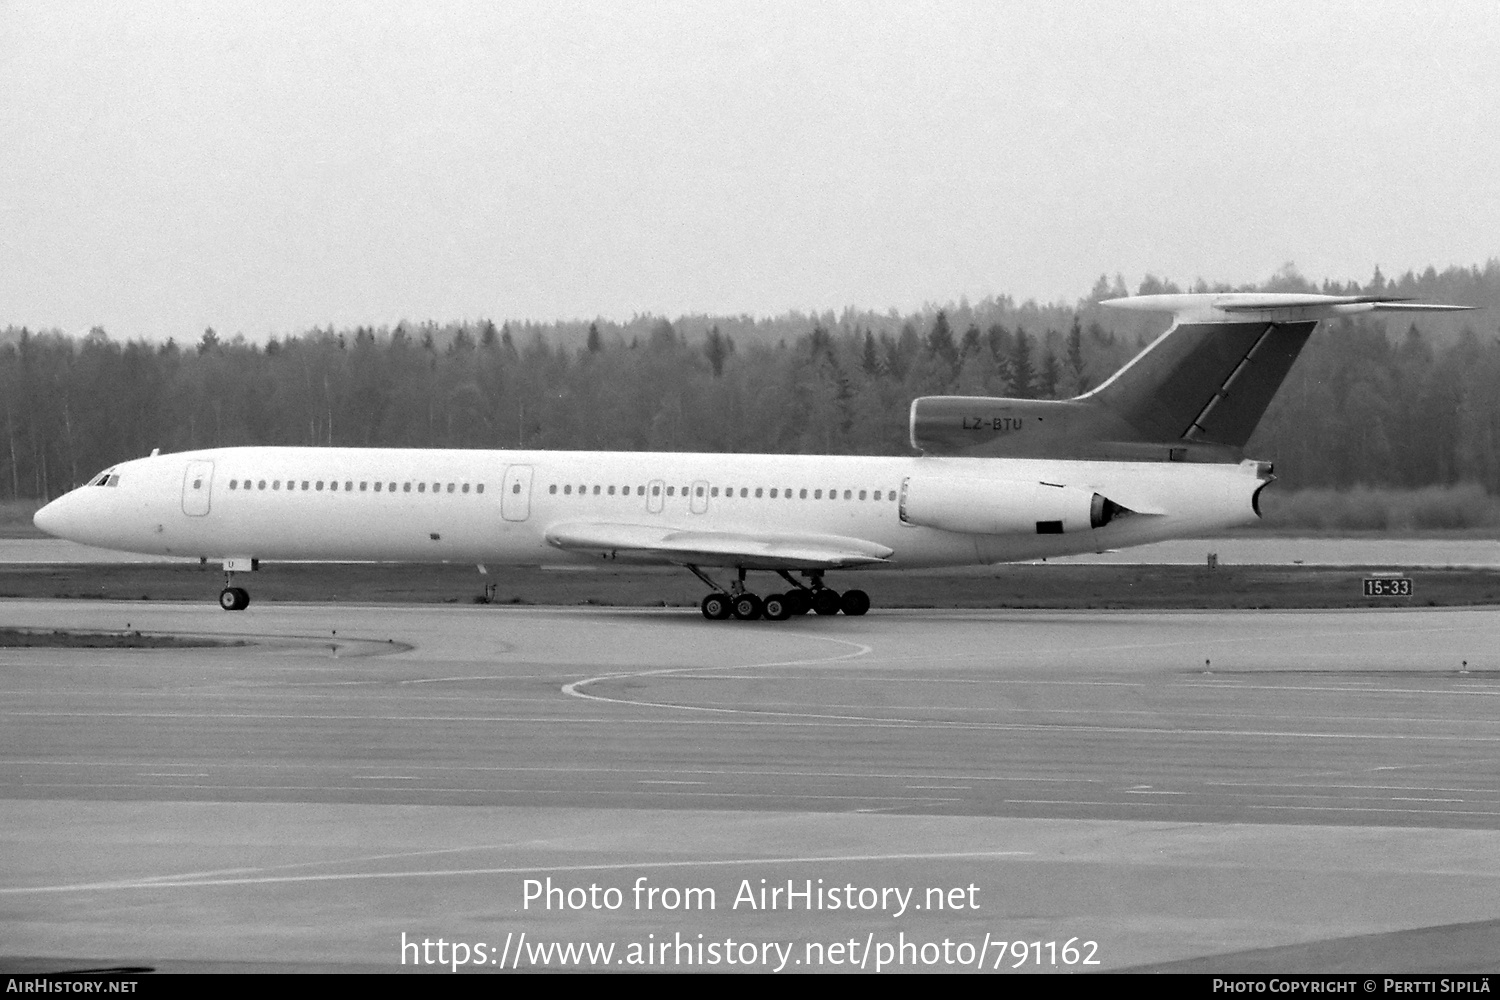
1205	307
655	543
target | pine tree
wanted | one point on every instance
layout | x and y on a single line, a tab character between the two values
1076	365
717	349
1050	375
940	341
1022	373
871	360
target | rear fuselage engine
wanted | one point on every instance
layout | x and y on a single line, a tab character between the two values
1000	507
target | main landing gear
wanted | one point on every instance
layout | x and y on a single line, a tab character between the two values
740	603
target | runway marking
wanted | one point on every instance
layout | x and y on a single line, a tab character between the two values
1399	767
575	688
361	859
777	795
1259	806
785	720
1124	712
474	677
956	788
192	882
776	773
1257	638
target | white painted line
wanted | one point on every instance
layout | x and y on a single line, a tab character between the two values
166	882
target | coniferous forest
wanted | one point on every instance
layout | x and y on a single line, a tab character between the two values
1372	402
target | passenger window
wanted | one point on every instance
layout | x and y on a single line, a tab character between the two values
479	488
671	491
862	495
305	484
421	487
466	487
568	489
406	487
232	483
848	494
516	488
656	491
261	485
817	494
744	492
802	495
596	491
450	487
699	491
611	491
552	488
773	493
713	492
276	484
758	491
349	485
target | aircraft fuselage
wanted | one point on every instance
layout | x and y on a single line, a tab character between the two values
497	506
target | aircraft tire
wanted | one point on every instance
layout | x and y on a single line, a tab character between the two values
234	599
826	602
854	602
716	607
777	607
799	602
747	607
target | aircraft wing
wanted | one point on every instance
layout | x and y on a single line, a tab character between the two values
768	550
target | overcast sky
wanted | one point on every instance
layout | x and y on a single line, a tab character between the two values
263	167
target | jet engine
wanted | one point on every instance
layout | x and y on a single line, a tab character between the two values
1000	507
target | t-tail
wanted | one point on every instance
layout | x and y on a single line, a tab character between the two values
1195	394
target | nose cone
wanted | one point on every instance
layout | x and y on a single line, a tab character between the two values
52	518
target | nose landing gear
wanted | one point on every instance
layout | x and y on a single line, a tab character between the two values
233	598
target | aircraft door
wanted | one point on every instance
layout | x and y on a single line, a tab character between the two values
515	493
197	488
655	496
699	502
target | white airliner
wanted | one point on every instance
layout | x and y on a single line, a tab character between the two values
1155	452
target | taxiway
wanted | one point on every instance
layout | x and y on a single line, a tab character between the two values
1194	787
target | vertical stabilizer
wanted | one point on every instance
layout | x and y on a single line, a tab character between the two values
1195	394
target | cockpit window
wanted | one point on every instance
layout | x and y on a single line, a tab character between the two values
106	478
